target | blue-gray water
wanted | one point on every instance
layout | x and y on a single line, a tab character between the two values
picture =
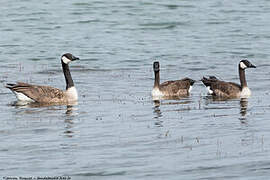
117	131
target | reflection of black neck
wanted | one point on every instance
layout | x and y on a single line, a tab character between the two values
243	106
242	77
157	79
69	81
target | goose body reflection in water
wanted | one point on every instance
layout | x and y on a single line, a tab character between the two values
171	104
22	104
70	108
225	103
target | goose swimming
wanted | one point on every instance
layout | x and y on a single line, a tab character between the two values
170	88
224	89
46	94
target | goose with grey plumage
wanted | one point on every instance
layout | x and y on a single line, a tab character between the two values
175	88
224	89
45	94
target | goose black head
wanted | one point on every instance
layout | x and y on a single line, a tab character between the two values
243	64
156	66
68	57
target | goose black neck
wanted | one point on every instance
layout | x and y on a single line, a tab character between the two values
69	81
157	79
242	77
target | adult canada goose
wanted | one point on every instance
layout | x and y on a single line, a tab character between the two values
46	94
170	88
229	89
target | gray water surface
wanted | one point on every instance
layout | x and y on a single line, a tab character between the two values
117	131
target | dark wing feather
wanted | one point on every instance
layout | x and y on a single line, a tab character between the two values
38	93
225	89
209	81
222	88
176	88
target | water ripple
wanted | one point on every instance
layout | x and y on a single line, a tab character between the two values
102	173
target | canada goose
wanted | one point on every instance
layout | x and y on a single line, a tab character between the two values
229	89
170	88
46	94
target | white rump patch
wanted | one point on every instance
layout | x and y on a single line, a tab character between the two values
209	90
65	60
245	92
242	65
22	97
72	94
190	88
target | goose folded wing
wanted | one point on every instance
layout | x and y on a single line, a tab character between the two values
39	93
175	87
225	89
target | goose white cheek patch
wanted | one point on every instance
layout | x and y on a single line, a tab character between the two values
242	65
65	60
